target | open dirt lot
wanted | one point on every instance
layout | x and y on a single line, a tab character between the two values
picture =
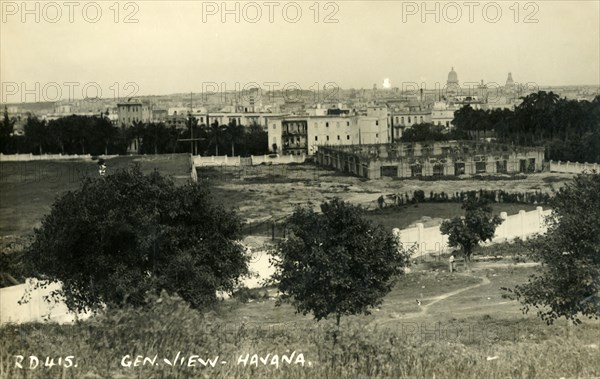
271	192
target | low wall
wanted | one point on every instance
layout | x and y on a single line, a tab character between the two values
573	167
280	159
216	161
37	309
253	160
431	240
43	157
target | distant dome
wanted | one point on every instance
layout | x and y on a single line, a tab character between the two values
452	77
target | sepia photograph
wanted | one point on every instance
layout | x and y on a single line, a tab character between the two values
299	189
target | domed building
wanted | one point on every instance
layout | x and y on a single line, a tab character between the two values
452	85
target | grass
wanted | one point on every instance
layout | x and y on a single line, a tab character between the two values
29	188
449	340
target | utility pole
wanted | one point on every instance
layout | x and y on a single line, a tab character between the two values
192	142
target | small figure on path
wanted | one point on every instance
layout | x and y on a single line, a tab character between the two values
101	167
451	263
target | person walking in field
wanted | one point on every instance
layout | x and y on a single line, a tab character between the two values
451	263
101	167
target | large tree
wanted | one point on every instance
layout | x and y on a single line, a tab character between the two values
477	225
119	237
568	283
6	130
336	262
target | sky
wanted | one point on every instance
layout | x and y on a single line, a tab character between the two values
161	47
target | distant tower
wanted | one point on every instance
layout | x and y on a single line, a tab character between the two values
482	92
452	85
509	88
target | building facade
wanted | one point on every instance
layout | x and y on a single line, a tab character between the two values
451	158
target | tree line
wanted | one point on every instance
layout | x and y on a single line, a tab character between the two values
569	130
97	135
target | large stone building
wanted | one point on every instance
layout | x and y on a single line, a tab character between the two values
133	111
297	135
451	158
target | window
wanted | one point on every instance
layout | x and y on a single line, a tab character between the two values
480	167
327	138
377	122
501	166
531	166
327	124
376	135
396	120
348	136
274	127
347	123
316	138
459	168
338	137
416	170
409	119
402	122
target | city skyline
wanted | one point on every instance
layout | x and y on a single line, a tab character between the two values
184	47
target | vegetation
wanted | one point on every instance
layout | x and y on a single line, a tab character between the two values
476	226
492	344
97	135
336	262
569	284
567	128
116	238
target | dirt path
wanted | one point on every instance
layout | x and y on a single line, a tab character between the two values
433	300
428	302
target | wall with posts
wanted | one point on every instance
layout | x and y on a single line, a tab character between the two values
277	159
43	157
254	160
218	160
573	167
36	309
431	240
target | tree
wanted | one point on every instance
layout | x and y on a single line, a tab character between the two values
118	237
235	135
216	135
336	262
568	283
6	130
477	225
424	132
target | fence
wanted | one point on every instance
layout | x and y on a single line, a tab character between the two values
573	167
36	309
253	160
43	157
431	240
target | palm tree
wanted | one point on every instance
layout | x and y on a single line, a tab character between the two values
216	134
235	134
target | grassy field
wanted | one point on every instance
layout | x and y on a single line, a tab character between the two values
464	328
28	189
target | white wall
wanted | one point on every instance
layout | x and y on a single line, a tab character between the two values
43	157
37	309
573	167
255	160
431	240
